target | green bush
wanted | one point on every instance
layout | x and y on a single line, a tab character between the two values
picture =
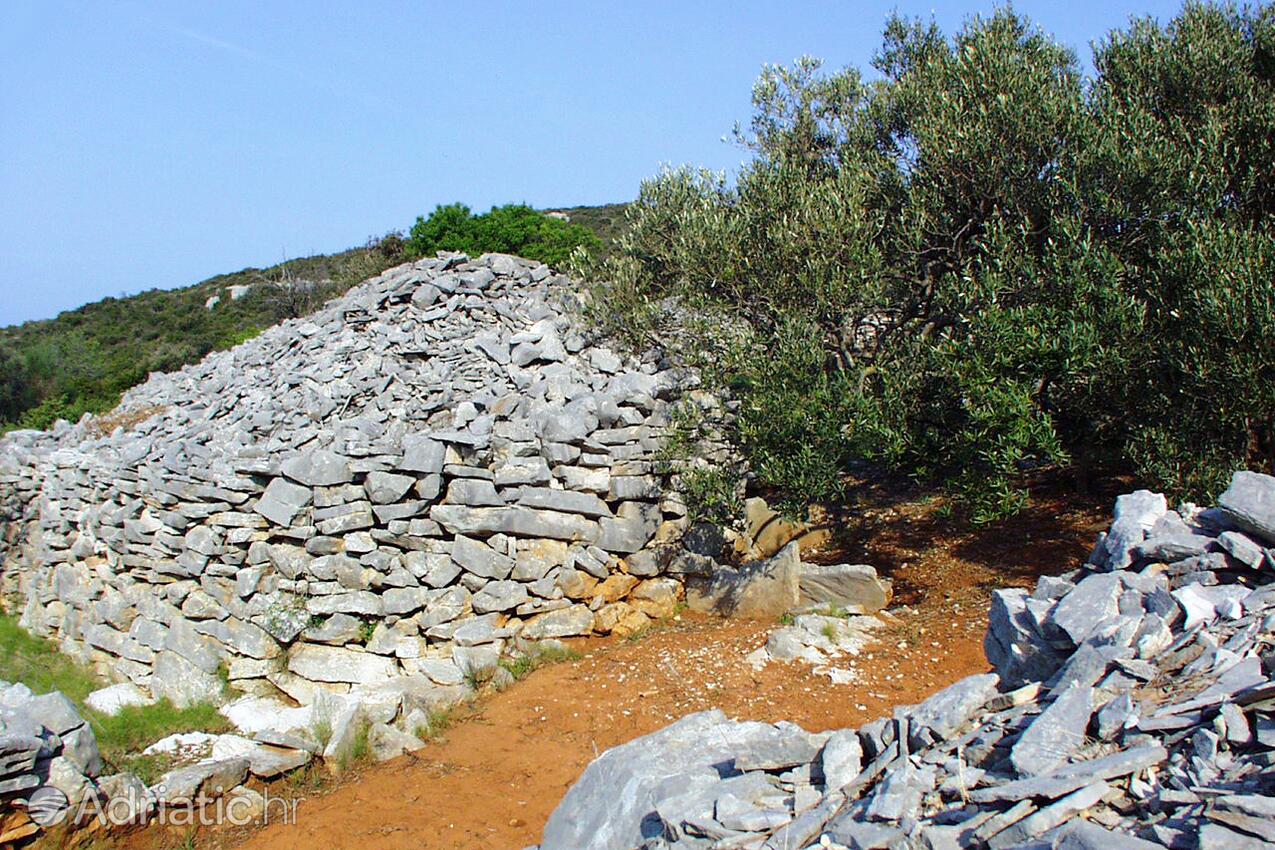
511	229
978	263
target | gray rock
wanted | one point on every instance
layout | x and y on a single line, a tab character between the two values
1094	602
317	469
899	794
321	663
764	589
854	588
182	683
1135	514
1242	548
574	621
473	492
1082	835
1058	732
480	559
205	780
1250	503
944	714
384	488
841	759
282	501
516	521
632	528
421	453
607	807
566	501
500	596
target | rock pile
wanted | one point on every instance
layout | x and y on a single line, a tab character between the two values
433	469
1132	706
48	760
821	641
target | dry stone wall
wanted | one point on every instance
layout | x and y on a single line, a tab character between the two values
433	468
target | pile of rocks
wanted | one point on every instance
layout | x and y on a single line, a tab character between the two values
1132	706
430	471
822	641
48	760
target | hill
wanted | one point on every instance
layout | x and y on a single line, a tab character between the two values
80	361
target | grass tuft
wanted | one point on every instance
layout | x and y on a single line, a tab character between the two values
527	663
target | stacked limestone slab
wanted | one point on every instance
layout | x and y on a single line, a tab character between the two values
1132	707
48	760
429	469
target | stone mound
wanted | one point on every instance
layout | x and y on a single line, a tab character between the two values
430	469
1132	706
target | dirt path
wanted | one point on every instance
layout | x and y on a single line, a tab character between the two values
493	779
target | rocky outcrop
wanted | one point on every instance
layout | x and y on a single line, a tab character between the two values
784	584
49	761
433	469
1132	706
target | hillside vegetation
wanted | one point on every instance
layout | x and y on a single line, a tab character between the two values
978	262
83	359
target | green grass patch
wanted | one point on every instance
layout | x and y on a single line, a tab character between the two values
360	750
438	721
136	727
36	663
526	664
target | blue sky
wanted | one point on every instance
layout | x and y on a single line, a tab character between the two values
149	145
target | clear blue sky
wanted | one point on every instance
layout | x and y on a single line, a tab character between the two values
152	145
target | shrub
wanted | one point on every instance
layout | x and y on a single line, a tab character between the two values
511	229
979	263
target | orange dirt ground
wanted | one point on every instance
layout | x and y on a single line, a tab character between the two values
493	778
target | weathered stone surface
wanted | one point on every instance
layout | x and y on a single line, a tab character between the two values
317	469
499	596
182	683
567	501
282	501
1250	503
607	806
422	454
205	780
1093	603
945	713
565	622
338	664
1055	734
480	559
629	530
112	699
385	488
517	521
762	589
854	588
841	759
473	492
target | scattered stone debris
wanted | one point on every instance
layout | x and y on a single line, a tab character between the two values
821	641
1132	706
